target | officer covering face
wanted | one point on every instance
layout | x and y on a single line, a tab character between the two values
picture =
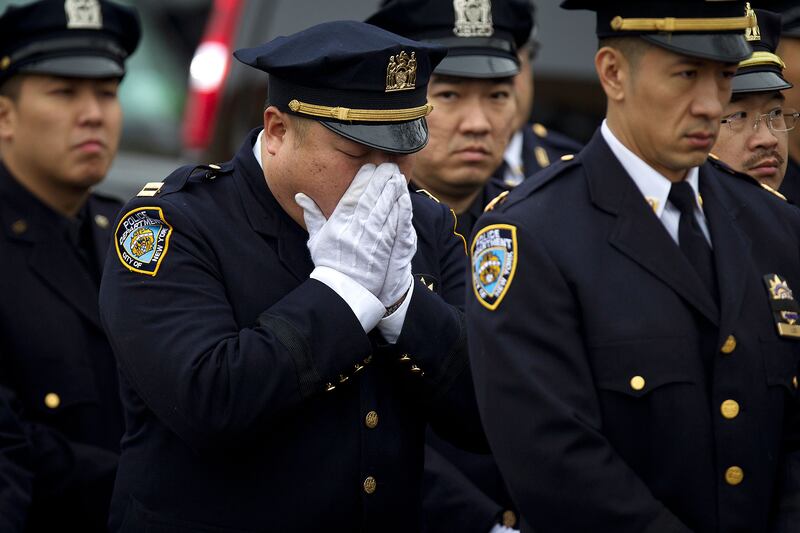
633	326
61	62
285	329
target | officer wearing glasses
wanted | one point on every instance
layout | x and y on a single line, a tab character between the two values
754	137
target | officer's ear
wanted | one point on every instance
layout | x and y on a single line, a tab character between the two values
7	118
612	69
275	125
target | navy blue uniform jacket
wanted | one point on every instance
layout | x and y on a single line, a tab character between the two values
590	373
254	400
463	490
55	361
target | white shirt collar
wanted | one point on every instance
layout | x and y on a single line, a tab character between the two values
653	185
257	149
513	154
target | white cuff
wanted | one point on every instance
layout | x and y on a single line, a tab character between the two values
391	326
503	529
365	305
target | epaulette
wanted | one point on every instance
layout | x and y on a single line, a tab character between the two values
555	140
429	195
179	178
720	165
540	179
497	200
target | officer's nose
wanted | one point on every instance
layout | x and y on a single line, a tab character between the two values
762	136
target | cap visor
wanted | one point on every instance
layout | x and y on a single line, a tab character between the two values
401	138
473	66
724	47
756	82
76	67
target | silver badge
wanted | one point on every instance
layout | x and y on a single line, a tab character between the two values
83	14
473	18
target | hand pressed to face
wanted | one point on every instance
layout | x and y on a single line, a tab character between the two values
665	107
359	236
759	151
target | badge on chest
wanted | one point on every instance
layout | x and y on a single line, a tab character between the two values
785	310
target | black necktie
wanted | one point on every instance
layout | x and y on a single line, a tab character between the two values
690	237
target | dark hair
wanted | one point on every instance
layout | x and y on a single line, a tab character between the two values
633	48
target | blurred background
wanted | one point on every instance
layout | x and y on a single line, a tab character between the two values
186	100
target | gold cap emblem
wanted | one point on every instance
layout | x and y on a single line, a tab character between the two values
473	18
401	74
753	33
83	14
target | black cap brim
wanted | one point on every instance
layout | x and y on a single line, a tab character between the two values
76	67
724	47
400	138
475	66
756	82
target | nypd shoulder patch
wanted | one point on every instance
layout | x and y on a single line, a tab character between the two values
494	261
142	240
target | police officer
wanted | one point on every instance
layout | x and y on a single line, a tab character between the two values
281	353
532	147
61	63
472	91
754	138
475	113
789	51
632	322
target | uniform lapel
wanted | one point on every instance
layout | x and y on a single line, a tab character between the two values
638	233
731	246
59	268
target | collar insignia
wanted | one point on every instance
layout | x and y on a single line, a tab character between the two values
473	18
401	74
83	14
785	310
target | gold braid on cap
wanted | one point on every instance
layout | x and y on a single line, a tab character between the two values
763	58
360	115
671	24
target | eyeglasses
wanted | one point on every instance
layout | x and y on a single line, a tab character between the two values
778	120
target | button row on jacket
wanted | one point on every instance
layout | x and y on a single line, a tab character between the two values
343	378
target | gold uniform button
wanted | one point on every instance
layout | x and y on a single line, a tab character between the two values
19	227
637	383
52	400
729	409
371	420
539	130
567	157
729	346
370	485
794	381
509	519
101	221
734	475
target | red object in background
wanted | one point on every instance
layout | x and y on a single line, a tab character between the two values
207	74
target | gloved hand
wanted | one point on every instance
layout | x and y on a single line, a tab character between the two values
358	238
398	274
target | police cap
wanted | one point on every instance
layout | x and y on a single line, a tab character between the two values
69	38
763	71
482	36
357	80
709	29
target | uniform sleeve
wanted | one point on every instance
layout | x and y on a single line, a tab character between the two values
209	380
434	341
540	410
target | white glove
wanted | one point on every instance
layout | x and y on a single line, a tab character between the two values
398	274
357	239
